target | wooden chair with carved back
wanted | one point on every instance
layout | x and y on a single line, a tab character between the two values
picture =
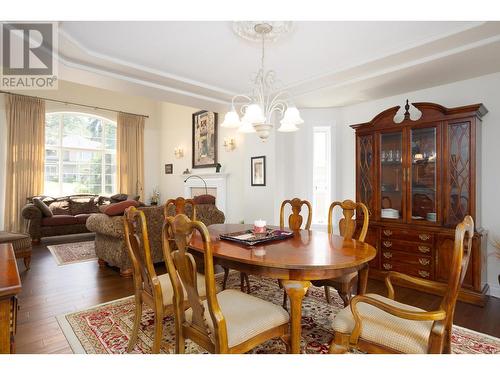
180	204
149	288
347	229
377	324
295	221
227	322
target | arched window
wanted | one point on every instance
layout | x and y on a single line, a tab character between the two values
80	154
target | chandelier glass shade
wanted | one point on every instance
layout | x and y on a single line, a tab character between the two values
258	110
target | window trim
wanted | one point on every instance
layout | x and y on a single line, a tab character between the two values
60	149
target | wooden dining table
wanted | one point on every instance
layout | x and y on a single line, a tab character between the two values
308	255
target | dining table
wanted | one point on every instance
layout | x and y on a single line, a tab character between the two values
296	261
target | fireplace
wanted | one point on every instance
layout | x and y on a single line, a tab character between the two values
216	186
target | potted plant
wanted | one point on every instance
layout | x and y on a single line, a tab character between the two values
155	197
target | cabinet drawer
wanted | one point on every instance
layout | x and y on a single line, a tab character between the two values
421	261
408	235
407	246
409	269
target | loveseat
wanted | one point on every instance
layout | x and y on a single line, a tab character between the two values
68	215
64	215
110	246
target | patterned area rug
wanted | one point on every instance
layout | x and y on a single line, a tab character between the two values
76	252
106	328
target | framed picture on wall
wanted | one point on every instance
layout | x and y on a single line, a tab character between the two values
258	170
204	139
169	168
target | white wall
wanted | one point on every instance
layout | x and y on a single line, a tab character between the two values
484	90
81	94
299	153
176	131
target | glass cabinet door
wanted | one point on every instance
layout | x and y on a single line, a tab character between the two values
423	183
391	176
366	167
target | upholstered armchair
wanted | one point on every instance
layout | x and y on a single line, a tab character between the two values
377	324
110	246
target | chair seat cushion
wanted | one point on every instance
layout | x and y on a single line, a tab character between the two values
59	220
246	316
168	291
407	336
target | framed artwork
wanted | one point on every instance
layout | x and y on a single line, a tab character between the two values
169	168
258	170
204	139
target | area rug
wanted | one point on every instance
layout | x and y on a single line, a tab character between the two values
76	252
106	328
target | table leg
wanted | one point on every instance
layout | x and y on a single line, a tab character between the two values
362	279
296	291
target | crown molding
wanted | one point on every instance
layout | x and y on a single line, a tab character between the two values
452	43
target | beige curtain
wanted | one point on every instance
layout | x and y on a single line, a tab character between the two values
25	155
130	157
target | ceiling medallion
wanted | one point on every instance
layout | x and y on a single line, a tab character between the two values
253	30
265	101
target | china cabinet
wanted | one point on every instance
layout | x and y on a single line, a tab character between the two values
419	178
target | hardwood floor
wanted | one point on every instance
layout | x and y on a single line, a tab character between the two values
50	290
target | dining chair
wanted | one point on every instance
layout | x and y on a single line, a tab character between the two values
149	288
179	204
347	229
295	221
377	324
227	322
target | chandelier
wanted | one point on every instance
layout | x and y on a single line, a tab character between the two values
258	108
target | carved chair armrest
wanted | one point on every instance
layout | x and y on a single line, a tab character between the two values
423	285
437	315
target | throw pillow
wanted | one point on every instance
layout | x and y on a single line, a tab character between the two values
60	207
118	198
42	207
123	197
204	199
119	208
82	207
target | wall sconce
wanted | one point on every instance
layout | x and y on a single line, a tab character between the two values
229	144
179	152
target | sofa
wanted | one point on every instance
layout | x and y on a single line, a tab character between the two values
68	215
110	246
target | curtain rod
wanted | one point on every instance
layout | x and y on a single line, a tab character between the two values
77	104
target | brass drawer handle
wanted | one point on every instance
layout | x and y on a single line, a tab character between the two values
424	237
424	261
424	249
424	273
387	266
388	232
387	255
387	243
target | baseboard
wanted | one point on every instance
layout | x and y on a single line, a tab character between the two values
494	291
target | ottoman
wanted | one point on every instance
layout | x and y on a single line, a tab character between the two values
21	243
